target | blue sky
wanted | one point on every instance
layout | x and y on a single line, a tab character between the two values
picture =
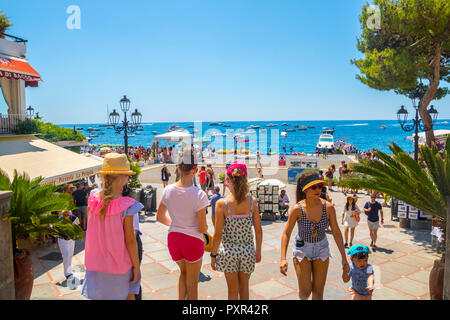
210	60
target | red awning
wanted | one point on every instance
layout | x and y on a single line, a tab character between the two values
17	69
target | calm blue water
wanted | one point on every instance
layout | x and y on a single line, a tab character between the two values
364	134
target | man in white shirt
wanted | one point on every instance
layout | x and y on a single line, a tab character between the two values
283	203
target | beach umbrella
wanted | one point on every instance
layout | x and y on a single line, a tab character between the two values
272	182
253	181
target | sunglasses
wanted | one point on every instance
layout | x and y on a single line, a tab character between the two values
314	187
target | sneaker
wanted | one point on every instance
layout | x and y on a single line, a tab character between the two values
374	248
69	277
345	245
371	244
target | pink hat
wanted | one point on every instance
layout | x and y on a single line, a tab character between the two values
239	165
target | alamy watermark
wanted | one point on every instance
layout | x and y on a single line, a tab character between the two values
374	20
74	20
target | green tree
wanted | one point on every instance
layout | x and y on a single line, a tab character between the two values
408	52
134	180
31	206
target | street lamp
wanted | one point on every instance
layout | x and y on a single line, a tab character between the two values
126	127
402	116
30	112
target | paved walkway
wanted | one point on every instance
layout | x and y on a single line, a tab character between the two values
402	264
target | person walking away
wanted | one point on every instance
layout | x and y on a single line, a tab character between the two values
209	181
66	245
202	178
283	204
361	273
186	205
214	198
341	167
329	175
233	251
350	219
165	175
111	251
371	209
80	197
258	160
225	183
311	249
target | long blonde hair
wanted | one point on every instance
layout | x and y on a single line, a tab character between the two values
108	180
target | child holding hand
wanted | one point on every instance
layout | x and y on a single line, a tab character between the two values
361	273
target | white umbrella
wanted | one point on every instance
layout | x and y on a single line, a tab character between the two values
253	181
272	182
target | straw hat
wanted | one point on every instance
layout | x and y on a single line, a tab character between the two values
115	163
355	199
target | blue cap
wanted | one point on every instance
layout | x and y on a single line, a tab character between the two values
357	248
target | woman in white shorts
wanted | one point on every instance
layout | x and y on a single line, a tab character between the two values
350	218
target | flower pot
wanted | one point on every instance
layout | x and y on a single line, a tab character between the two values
23	274
436	280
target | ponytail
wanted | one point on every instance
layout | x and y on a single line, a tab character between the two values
240	184
107	193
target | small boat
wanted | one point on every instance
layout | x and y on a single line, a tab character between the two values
326	142
303	128
296	126
326	130
79	128
131	135
226	125
290	130
383	127
253	127
90	129
93	135
138	133
214	124
155	132
109	127
285	124
271	125
190	126
311	126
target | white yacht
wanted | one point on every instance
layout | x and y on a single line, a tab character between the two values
326	142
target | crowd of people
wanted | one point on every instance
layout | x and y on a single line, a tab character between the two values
113	250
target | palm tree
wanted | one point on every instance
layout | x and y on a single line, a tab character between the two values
424	184
31	206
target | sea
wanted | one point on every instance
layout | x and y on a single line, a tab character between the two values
363	134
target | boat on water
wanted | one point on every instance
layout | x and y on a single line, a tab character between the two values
226	125
90	129
302	128
218	134
326	142
326	130
285	124
155	132
383	126
214	124
271	125
131	135
93	135
290	130
79	128
254	127
109	127
190	126
311	126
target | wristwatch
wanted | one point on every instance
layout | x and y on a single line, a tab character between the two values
213	255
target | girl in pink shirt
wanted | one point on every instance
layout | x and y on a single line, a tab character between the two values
111	252
186	205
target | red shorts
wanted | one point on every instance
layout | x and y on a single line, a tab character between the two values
184	247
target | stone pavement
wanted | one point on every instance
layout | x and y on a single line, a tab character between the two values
402	264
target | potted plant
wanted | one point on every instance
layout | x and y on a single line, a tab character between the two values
424	185
30	213
4	23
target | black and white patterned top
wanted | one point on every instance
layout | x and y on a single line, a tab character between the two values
307	229
237	229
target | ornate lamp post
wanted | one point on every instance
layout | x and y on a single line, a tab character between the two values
417	125
30	112
126	126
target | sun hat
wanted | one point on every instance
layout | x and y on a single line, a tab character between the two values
115	163
310	181
238	165
357	248
355	199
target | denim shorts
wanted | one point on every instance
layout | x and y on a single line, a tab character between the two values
312	251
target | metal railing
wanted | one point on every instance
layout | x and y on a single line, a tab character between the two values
16	39
9	123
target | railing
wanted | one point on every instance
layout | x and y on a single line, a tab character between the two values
10	123
16	39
